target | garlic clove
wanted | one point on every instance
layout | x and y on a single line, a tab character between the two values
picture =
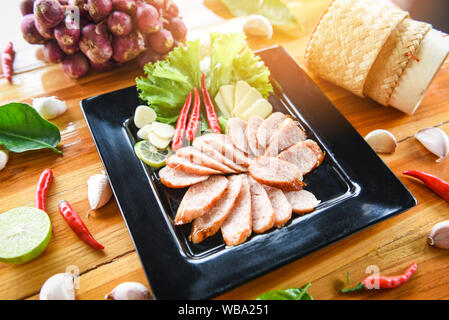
61	286
4	157
382	141
145	131
144	115
99	191
49	107
439	235
129	291
435	140
258	25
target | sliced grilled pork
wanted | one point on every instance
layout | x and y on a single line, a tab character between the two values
178	179
214	154
223	144
210	222
200	158
280	204
251	135
277	173
285	136
186	165
238	225
236	130
200	198
302	201
306	155
268	127
263	213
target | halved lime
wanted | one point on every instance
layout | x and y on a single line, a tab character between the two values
151	155
24	234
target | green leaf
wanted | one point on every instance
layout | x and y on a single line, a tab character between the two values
23	129
288	294
275	11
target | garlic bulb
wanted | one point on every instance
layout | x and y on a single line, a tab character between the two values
61	286
4	157
439	235
49	107
129	291
258	25
435	140
99	191
382	141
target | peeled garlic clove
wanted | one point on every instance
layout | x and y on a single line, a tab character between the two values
258	25
61	286
145	131
382	141
163	130
4	157
129	291
99	191
157	141
435	140
49	107
439	235
144	115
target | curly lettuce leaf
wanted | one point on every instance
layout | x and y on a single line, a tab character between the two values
275	11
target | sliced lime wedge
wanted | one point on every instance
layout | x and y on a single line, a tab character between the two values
24	234
151	155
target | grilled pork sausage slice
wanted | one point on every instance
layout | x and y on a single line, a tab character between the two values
236	130
214	154
306	155
210	222
302	201
277	173
223	144
186	165
263	213
251	135
200	198
199	158
268	127
238	225
178	179
280	204
285	136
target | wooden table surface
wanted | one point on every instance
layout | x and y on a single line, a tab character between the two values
391	245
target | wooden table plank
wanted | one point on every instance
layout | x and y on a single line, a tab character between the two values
391	245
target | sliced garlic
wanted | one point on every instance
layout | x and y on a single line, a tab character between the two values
439	235
49	107
145	131
435	140
144	115
163	130
382	141
157	141
258	25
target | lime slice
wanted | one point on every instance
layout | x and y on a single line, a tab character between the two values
24	234
151	155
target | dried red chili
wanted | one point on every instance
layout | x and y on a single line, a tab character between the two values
384	282
439	186
77	225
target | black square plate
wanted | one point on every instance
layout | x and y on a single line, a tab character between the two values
355	186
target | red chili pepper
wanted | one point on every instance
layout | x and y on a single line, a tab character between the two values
439	186
77	225
7	58
413	57
194	121
42	189
180	129
384	282
210	109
